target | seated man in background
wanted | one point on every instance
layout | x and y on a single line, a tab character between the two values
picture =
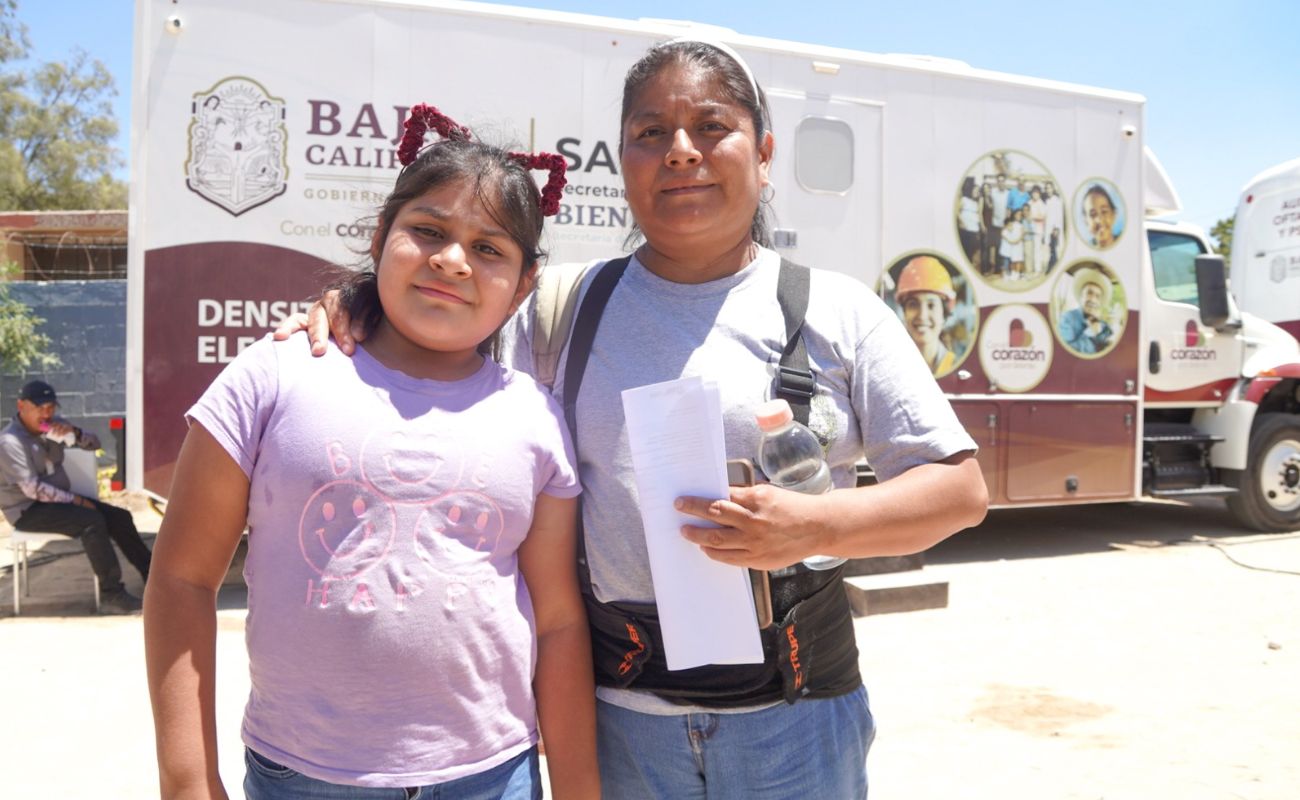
35	495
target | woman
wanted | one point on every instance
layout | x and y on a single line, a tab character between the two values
968	219
926	295
988	251
699	298
1037	233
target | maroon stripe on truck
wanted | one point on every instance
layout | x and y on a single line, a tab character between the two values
1206	391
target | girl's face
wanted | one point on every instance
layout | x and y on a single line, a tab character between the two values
692	167
448	277
923	314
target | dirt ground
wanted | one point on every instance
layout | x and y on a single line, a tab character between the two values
1121	652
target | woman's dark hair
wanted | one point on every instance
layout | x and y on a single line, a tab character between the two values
736	86
504	187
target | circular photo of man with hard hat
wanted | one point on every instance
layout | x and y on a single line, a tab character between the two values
1100	208
1089	309
937	305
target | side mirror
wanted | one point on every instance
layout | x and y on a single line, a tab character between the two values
1212	291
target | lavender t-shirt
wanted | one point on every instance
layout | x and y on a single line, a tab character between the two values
390	634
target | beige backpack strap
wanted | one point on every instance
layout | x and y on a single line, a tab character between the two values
554	305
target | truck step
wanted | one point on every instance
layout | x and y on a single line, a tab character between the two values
1181	438
1176	433
1215	490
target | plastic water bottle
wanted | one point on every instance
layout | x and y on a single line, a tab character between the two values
68	438
791	457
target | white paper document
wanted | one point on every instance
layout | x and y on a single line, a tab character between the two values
706	608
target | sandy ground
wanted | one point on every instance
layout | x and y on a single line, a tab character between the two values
1097	652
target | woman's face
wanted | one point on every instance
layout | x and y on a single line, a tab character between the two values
692	167
923	314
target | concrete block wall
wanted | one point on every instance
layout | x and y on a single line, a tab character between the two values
86	323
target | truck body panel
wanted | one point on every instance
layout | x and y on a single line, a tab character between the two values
1266	247
264	135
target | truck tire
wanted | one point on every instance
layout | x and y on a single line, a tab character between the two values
1268	491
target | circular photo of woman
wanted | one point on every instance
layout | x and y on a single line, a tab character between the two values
1011	220
1099	211
1089	309
937	305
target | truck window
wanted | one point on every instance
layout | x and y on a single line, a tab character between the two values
1173	257
823	160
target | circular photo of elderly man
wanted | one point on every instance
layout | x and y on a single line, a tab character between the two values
1088	309
1099	208
937	305
1011	220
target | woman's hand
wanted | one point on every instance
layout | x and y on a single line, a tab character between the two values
763	526
766	527
326	317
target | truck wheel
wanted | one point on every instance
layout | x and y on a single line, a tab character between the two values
1268	493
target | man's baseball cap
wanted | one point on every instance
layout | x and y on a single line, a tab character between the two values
38	392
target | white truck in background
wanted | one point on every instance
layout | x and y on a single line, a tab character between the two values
1094	355
1266	247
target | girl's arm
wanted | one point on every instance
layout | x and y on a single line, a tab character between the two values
565	688
204	521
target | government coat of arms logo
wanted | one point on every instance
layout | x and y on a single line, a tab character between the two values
238	145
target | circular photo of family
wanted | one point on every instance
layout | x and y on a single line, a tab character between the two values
937	305
1088	309
1099	212
1011	220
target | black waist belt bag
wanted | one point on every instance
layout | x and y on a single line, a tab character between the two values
809	652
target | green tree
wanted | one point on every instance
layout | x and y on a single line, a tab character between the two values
1222	233
21	344
56	128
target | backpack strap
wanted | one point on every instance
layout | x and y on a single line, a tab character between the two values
584	333
794	380
553	304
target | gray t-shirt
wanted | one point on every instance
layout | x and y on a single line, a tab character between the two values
876	396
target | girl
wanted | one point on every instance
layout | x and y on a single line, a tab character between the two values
392	645
1013	245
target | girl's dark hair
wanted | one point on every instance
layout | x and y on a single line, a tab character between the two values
504	187
736	87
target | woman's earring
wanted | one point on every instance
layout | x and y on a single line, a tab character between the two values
767	194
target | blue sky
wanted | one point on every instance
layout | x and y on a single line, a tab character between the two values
1222	79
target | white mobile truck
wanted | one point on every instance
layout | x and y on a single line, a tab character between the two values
1077	343
1266	247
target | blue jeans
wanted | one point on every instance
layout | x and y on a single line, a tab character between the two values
517	779
812	749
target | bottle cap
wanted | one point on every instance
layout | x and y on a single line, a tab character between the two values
773	414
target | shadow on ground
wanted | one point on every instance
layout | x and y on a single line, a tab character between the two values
1069	530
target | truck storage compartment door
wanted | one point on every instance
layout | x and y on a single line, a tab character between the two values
1061	451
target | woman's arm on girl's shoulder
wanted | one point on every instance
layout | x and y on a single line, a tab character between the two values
564	686
327	317
204	521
